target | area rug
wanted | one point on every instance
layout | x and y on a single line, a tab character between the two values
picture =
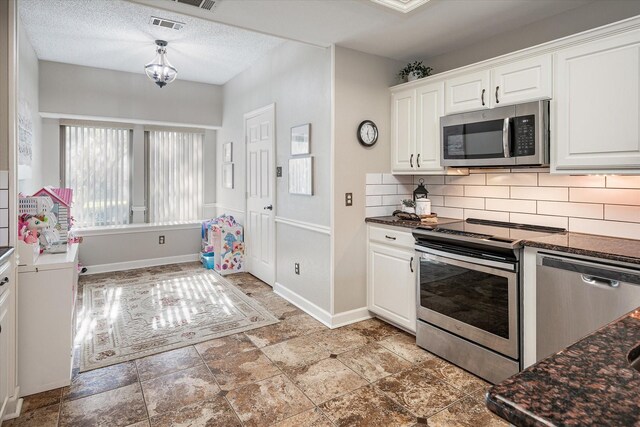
125	317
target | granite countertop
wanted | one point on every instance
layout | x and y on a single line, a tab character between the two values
610	248
603	247
589	383
394	221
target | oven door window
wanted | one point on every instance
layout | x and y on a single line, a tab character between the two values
473	297
482	140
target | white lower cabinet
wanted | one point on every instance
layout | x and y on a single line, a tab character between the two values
8	386
5	326
391	277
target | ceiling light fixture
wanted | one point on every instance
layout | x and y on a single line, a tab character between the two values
160	70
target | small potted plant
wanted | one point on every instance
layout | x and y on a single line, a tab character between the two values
408	205
414	70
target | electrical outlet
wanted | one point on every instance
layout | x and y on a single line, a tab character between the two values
297	268
278	171
348	199
161	240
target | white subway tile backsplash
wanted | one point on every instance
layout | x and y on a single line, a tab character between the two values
474	179
464	202
497	192
4	199
547	180
489	215
428	179
540	193
4	180
379	210
374	178
446	190
547	221
628	230
526	179
587	204
377	190
623	181
622	213
444	212
373	201
568	209
387	178
612	196
511	205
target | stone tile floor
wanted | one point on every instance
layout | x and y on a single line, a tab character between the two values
295	373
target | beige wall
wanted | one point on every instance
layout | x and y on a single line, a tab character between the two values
297	78
592	15
361	92
76	90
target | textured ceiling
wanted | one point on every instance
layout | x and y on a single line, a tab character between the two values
434	28
116	35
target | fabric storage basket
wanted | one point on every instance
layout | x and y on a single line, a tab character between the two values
225	238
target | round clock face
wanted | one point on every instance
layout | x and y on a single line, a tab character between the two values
367	133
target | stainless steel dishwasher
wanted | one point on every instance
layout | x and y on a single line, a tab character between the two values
575	297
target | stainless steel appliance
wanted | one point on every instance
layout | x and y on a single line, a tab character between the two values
575	297
516	135
468	302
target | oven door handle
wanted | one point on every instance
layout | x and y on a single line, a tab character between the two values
493	267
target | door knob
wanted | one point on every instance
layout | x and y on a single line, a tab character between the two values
268	207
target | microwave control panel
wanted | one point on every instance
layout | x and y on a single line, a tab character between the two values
525	136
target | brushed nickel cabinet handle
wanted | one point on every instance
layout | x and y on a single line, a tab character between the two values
418	160
497	89
482	97
411	160
411	264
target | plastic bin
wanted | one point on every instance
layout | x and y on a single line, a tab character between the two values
208	260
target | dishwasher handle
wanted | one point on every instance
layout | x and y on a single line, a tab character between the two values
593	273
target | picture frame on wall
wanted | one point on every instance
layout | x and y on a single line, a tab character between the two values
227	152
301	176
300	139
227	175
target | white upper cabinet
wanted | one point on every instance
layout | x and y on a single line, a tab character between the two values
597	107
403	137
467	92
522	81
429	109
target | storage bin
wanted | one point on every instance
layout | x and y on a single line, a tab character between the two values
208	260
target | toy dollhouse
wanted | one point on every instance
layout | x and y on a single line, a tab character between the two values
62	198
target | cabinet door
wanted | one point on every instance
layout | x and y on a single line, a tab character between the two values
597	100
392	285
403	137
5	347
467	93
429	109
523	81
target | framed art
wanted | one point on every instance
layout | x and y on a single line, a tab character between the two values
301	176
227	175
300	139
227	152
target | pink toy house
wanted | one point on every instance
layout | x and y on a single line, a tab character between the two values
62	199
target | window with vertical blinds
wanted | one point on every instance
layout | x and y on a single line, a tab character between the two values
175	176
98	169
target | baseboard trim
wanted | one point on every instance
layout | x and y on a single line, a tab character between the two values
349	317
304	304
320	314
152	262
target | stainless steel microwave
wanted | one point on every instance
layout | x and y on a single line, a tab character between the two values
516	135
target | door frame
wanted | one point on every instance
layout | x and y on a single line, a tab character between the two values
246	117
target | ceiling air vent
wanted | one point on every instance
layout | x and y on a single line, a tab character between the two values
166	23
202	4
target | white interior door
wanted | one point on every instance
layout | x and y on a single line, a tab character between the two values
260	222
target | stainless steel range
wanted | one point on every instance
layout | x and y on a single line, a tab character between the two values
469	293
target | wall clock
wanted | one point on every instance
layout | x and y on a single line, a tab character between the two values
367	133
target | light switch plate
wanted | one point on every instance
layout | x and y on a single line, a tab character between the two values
278	171
348	199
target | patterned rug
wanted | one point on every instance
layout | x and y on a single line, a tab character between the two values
128	315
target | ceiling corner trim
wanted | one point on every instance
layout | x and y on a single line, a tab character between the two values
404	6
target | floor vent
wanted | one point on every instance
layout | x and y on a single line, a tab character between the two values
166	23
202	4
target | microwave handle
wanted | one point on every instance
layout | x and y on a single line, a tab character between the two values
506	138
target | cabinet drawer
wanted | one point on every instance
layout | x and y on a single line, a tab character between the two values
4	272
392	236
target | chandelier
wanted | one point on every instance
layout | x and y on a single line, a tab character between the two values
160	70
